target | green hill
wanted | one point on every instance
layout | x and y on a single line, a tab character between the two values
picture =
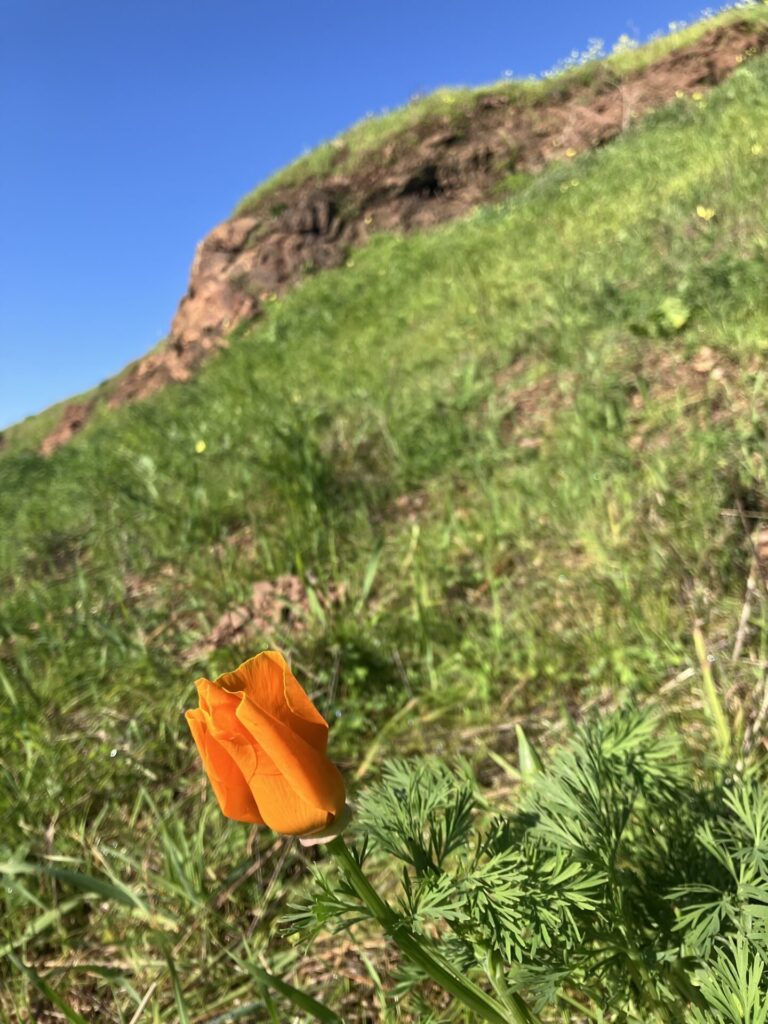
480	474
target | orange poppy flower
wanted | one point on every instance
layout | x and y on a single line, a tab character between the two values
263	744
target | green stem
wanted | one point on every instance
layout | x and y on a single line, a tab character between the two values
495	973
438	969
644	983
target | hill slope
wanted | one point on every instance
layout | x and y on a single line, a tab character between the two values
475	474
432	162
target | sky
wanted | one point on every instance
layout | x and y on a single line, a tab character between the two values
130	128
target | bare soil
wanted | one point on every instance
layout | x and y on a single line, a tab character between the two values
424	176
279	606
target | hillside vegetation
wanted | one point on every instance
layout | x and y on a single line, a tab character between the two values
488	473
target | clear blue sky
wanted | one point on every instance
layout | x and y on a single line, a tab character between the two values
129	128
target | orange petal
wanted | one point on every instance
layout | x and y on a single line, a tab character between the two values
283	810
220	707
227	729
312	779
271	686
235	797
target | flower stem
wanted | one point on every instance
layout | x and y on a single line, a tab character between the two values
416	950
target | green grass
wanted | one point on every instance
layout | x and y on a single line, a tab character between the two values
532	575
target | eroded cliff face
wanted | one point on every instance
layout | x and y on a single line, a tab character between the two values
428	174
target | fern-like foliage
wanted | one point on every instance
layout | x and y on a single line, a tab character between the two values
427	813
733	986
630	882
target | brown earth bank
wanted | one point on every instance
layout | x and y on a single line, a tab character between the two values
423	176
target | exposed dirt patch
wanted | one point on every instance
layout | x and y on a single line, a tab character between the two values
706	385
137	589
241	540
410	507
282	605
74	417
422	177
528	409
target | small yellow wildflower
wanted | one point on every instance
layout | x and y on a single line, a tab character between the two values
368	219
757	149
679	94
570	153
705	212
697	96
200	446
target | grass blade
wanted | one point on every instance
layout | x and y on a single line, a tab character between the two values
178	995
712	699
528	756
300	999
40	924
50	994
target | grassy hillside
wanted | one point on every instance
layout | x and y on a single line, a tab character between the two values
511	462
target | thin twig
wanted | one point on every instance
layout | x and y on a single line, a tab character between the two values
746	611
144	1000
755	727
755	575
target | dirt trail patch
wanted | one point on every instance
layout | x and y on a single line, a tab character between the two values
706	386
528	407
279	605
424	176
